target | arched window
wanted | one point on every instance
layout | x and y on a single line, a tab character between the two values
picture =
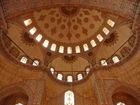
111	23
60	76
61	49
69	98
85	47
32	31
69	50
120	103
87	70
100	38
115	59
27	22
79	76
19	104
35	63
77	49
105	30
93	43
39	37
53	47
103	62
52	70
23	60
69	78
46	43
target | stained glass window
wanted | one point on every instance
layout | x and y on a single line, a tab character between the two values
99	37
80	76
27	22
69	78
23	60
60	76
85	46
104	62
39	37
69	98
93	43
53	47
52	70
105	30
111	23
120	103
61	49
19	104
115	59
35	63
46	43
77	49
87	70
32	31
69	50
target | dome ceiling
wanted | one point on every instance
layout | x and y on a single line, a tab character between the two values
65	38
69	29
70	68
69	63
69	24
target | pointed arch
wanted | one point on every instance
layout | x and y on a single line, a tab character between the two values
69	98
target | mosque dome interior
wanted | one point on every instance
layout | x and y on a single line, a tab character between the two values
69	52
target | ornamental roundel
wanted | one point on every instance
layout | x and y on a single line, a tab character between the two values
112	39
69	11
25	37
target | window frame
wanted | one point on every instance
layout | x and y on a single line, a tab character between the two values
66	98
61	77
71	78
78	76
35	63
23	61
117	58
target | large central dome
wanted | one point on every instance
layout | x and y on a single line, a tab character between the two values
73	28
69	40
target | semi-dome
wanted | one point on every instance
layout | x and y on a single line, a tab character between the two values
69	52
70	32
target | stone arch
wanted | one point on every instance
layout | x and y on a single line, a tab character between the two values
19	88
15	98
126	90
123	97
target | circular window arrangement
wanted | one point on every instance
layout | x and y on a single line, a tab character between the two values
73	36
120	103
19	104
72	77
68	49
25	60
69	68
90	38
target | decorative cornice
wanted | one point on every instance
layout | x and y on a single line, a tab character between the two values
103	5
